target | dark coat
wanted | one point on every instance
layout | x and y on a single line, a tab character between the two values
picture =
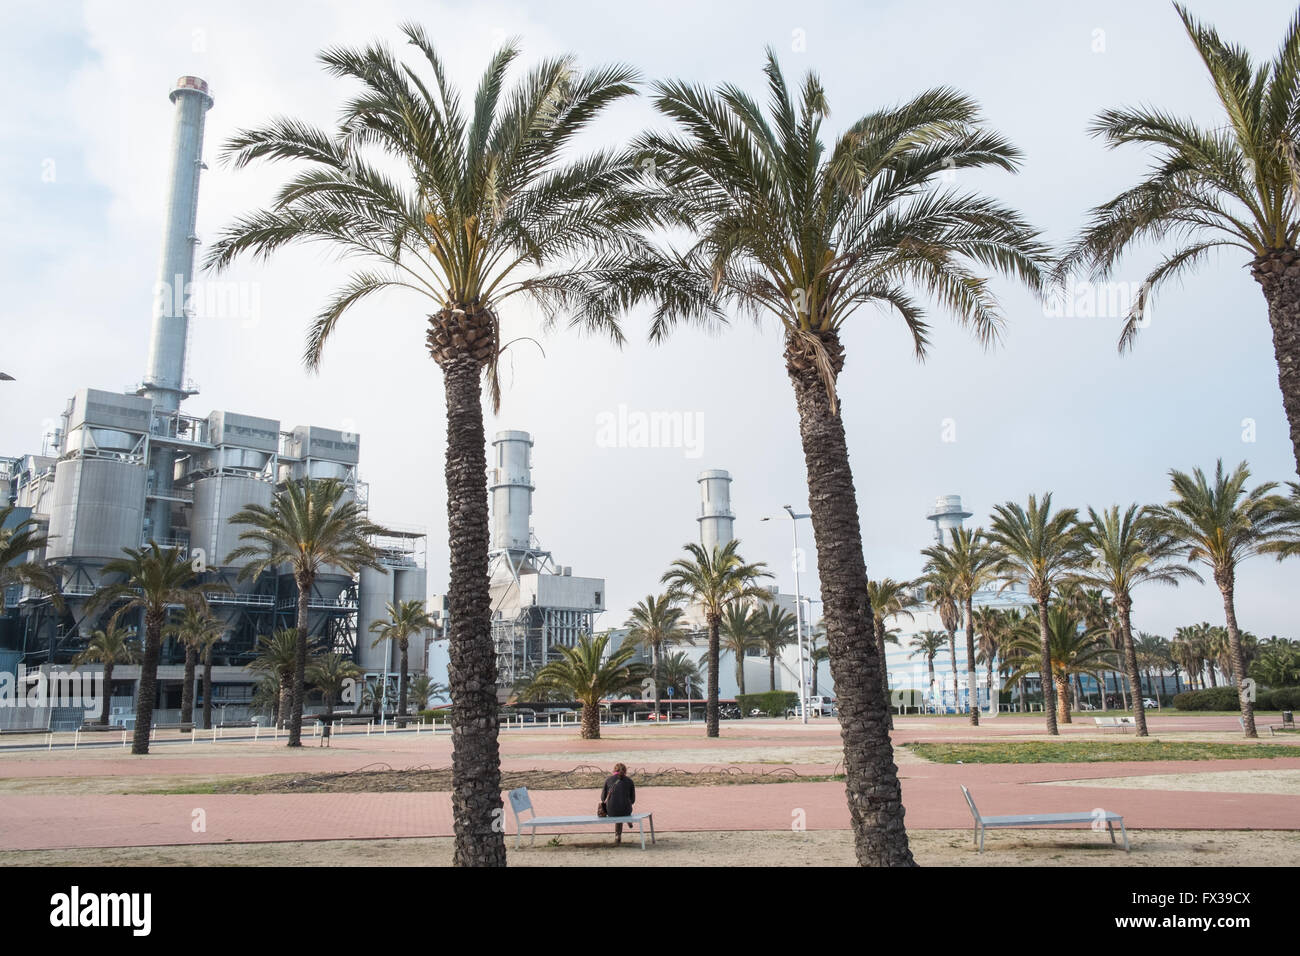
618	795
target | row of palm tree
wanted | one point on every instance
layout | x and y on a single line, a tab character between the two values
1091	566
489	207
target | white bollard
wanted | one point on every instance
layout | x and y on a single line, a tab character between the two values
124	738
49	740
76	738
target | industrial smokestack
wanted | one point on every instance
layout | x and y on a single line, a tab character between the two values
716	520
164	380
512	491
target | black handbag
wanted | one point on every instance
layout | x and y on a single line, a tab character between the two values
601	811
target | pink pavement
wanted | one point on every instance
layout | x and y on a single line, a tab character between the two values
930	791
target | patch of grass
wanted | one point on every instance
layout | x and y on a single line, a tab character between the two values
1090	751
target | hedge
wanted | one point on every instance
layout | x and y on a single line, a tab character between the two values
774	703
1226	698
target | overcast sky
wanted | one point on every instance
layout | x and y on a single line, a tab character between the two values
84	138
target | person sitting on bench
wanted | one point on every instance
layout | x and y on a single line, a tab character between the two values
617	797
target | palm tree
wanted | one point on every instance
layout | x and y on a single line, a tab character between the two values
110	647
775	629
1126	551
1220	526
267	696
993	627
424	689
310	525
1233	185
888	598
19	541
812	235
406	619
195	630
278	655
968	562
1098	613
331	674
1073	650
585	675
1041	549
483	208
1151	652
941	592
739	637
714	580
152	579
208	642
929	643
680	673
656	623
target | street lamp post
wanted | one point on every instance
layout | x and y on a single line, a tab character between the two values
798	612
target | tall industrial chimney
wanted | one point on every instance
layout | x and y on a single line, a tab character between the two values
512	491
164	379
717	523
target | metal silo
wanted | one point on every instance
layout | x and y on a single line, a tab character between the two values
376	593
716	520
216	501
511	487
411	584
98	508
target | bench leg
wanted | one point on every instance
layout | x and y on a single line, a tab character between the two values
1110	827
1125	833
652	828
641	826
981	839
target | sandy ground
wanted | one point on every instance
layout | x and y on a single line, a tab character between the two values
1286	782
753	848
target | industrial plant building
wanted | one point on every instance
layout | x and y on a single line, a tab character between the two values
122	470
537	603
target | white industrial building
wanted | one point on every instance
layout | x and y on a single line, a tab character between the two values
122	470
537	603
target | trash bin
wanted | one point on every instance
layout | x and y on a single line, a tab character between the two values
1288	717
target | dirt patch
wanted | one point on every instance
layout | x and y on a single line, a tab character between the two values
1182	848
426	780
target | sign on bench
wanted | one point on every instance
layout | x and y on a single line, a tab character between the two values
520	802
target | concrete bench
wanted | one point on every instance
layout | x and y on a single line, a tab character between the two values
100	728
520	802
236	724
181	727
25	730
1115	723
1043	819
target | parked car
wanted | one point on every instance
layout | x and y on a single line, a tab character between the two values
1148	702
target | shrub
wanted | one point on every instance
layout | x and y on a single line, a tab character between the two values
774	703
1212	698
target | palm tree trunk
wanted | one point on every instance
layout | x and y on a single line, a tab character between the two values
871	777
187	692
1020	687
952	651
771	673
658	690
403	645
931	678
1238	659
207	688
590	721
1049	692
972	693
148	696
108	692
1279	276
711	705
297	697
1125	608
878	626
285	706
472	668
1062	682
